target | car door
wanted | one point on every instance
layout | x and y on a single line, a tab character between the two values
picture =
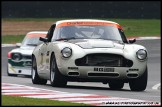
42	52
45	53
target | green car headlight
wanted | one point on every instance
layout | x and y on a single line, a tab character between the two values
16	56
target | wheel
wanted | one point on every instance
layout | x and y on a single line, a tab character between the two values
116	85
14	75
35	77
140	83
56	78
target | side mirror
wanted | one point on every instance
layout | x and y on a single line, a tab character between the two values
43	39
18	44
132	41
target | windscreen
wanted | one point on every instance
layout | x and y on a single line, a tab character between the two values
31	41
89	32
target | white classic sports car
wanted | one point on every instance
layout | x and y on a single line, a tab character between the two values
19	59
88	50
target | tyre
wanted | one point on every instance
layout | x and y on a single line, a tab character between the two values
116	85
140	83
56	78
35	77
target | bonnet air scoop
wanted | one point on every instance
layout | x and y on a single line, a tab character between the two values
87	44
101	44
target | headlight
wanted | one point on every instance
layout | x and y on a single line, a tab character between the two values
141	54
16	56
66	52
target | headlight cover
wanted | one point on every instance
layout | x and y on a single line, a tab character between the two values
66	52
16	56
141	54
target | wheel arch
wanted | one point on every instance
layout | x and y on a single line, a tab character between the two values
52	53
33	56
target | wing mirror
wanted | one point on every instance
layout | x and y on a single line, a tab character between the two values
18	44
132	41
43	39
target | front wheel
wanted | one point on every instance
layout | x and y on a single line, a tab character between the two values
35	77
116	85
140	83
56	78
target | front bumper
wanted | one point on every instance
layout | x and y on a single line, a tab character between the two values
19	70
102	72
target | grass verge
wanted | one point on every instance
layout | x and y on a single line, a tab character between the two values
12	39
22	101
18	27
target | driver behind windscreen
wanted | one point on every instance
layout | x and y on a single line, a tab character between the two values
68	32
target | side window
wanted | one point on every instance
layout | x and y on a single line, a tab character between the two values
56	34
50	32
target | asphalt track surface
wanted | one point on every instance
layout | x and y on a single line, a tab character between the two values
150	94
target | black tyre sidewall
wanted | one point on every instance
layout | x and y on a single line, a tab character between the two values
140	83
37	79
116	85
59	80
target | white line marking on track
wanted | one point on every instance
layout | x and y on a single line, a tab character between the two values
147	38
155	87
144	38
59	95
8	45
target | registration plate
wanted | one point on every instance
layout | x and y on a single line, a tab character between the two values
104	69
108	69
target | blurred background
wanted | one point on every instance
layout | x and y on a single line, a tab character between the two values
81	9
137	18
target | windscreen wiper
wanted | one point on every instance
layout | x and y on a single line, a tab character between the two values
32	44
65	38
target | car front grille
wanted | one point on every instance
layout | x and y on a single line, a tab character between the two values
106	60
27	57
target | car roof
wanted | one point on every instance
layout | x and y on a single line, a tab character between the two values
88	21
77	20
36	34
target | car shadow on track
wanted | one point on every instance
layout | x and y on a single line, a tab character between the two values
94	88
77	87
89	88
